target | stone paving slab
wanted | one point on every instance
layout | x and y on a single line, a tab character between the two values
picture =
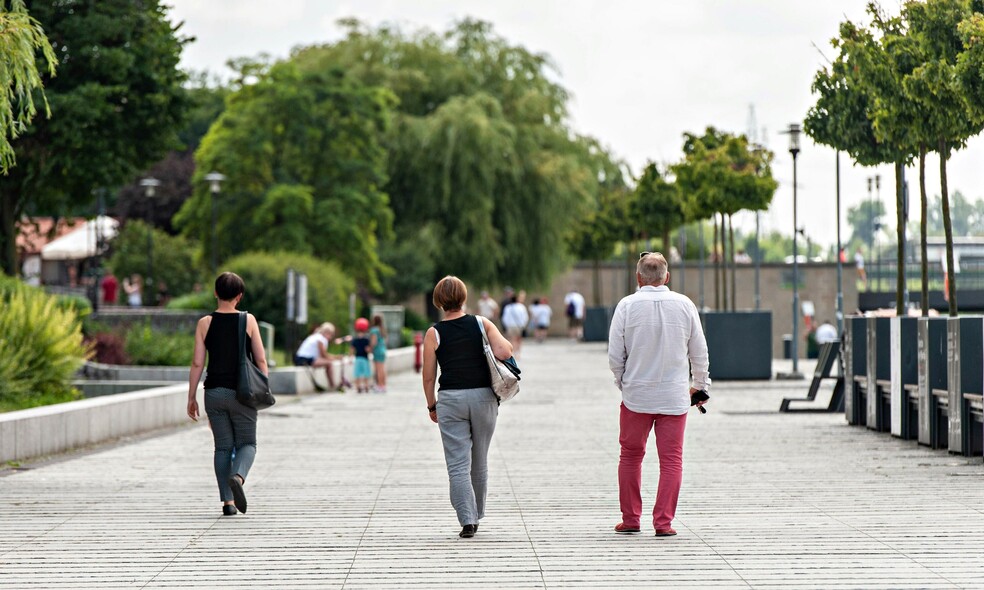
350	491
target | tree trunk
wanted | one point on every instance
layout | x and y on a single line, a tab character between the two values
8	235
596	282
951	284
900	241
723	266
731	261
717	264
630	265
923	206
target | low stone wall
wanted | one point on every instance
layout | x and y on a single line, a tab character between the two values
61	427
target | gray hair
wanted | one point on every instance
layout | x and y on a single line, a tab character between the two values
652	268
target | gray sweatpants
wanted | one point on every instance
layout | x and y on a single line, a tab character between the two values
467	420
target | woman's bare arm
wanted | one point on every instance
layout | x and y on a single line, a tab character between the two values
501	347
259	354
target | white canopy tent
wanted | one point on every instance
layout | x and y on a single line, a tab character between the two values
81	243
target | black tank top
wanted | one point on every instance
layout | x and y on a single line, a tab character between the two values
222	344
460	354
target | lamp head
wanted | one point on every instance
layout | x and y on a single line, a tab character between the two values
214	180
150	185
794	138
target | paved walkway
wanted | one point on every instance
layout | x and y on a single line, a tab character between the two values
350	491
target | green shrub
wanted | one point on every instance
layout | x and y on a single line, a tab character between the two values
203	300
145	346
40	348
265	275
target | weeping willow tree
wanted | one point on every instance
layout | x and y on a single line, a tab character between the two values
21	38
485	176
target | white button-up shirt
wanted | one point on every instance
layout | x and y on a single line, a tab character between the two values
655	341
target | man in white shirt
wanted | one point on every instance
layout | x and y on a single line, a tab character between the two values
313	352
655	341
574	310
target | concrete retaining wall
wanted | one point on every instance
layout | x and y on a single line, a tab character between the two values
61	427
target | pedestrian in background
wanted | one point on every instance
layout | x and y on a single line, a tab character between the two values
574	310
233	424
313	352
377	344
487	307
110	288
133	287
360	350
515	318
507	297
466	409
540	313
655	341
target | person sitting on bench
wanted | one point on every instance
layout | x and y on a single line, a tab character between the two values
313	352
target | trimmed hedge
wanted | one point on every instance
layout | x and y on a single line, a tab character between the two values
265	275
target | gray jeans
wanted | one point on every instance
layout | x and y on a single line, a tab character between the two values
467	420
234	432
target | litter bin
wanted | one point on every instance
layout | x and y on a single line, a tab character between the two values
787	346
597	321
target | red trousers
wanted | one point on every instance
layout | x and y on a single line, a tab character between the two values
633	435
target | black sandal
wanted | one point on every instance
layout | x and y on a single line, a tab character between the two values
468	531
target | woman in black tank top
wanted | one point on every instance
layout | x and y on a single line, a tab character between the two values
233	424
467	409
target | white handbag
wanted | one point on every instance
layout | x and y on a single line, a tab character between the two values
505	374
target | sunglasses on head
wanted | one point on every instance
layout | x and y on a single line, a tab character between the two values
644	254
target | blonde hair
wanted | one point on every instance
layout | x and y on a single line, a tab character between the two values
450	294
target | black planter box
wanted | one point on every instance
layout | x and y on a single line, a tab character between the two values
739	344
597	321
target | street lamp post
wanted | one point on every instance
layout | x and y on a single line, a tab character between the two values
150	185
214	180
794	149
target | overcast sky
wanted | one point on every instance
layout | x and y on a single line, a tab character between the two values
642	72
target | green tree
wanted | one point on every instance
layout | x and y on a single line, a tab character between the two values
841	116
658	205
935	84
595	236
865	219
480	149
724	174
967	216
302	155
885	56
23	37
115	105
